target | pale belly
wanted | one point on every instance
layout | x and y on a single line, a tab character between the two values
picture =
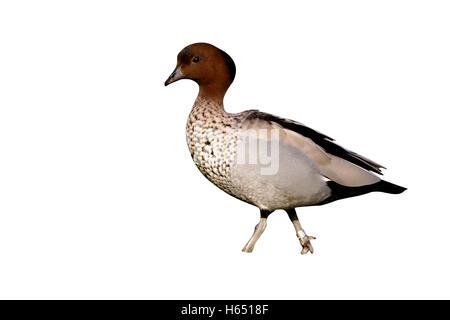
285	179
290	181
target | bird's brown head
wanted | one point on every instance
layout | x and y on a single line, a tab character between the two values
212	69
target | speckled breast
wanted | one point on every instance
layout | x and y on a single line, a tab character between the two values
213	148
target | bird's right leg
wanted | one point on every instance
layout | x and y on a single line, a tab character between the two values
259	229
305	240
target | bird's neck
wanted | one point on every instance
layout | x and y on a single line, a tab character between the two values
206	107
214	91
210	99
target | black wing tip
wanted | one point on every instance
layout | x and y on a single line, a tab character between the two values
377	171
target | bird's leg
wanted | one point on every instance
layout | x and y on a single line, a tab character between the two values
301	235
259	229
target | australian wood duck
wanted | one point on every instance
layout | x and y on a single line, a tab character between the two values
270	162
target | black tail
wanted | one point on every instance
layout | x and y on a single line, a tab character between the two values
384	186
339	191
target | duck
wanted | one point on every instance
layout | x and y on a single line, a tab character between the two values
268	161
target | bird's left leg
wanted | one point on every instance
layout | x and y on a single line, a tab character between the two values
259	229
301	235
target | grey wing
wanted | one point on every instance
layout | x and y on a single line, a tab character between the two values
336	163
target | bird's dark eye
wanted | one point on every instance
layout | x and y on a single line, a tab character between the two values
195	59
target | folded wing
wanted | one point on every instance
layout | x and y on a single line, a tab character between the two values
336	163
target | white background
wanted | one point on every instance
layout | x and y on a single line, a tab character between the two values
99	197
